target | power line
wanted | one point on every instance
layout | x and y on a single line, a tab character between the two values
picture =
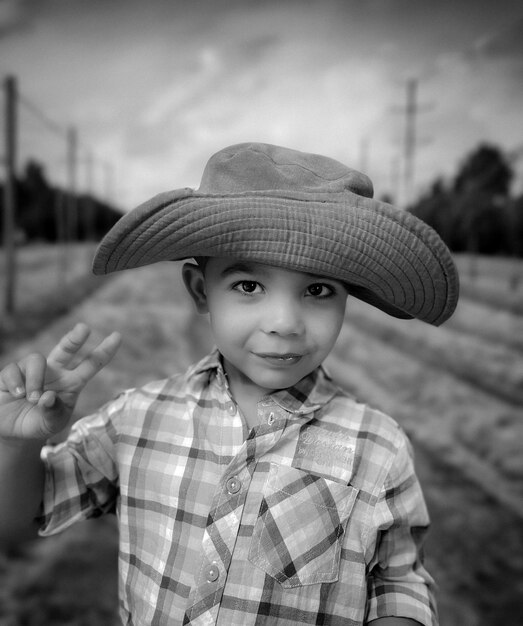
73	145
50	124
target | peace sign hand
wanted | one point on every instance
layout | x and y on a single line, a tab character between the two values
38	395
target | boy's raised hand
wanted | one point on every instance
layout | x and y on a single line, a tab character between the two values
38	395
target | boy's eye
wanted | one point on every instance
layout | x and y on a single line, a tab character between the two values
247	286
320	290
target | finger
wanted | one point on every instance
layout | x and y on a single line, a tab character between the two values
34	365
99	357
47	399
69	345
12	380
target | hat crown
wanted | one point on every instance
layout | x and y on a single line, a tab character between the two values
264	167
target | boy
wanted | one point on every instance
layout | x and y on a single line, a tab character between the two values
249	490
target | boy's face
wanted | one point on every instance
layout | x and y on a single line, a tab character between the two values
272	326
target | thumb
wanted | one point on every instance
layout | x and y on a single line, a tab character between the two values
55	411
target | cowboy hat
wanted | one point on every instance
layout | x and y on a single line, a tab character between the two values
299	211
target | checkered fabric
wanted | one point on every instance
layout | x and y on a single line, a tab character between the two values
314	517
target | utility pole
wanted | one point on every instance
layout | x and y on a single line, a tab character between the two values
72	164
410	138
88	211
67	210
11	97
410	141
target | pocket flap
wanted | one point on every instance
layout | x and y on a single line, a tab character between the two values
302	517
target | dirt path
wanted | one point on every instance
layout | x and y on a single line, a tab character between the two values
475	550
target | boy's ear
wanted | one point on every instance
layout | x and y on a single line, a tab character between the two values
195	284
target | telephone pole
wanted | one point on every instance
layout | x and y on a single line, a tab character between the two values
72	165
11	97
411	111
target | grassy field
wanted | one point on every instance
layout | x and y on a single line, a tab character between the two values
457	390
48	281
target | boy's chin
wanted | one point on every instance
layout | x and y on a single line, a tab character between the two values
278	379
265	375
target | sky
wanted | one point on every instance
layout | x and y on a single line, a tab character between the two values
153	88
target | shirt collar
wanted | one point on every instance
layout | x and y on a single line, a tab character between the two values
308	395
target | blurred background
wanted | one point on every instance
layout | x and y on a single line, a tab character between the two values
104	104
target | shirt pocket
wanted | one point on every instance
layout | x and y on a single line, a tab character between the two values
297	535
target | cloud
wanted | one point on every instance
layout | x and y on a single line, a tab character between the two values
158	86
504	43
13	17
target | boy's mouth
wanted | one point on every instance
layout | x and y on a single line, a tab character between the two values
287	358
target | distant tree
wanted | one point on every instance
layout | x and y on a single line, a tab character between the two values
41	210
97	217
474	211
516	226
483	222
486	170
482	188
438	207
35	214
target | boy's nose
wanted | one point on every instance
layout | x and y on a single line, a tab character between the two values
283	318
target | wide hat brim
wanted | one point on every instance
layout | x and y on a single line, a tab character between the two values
386	256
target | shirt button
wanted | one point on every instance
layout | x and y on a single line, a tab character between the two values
233	485
231	408
213	573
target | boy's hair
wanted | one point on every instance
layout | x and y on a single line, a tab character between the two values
202	261
298	211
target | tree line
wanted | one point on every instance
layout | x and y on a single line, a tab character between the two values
475	211
48	213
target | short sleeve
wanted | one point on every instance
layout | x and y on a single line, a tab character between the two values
399	585
81	474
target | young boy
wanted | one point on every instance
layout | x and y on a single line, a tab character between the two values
249	490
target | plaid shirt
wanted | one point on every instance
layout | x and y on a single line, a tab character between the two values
313	517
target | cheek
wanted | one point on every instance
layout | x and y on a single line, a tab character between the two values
220	325
229	323
326	325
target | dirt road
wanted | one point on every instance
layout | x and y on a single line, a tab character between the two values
475	550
